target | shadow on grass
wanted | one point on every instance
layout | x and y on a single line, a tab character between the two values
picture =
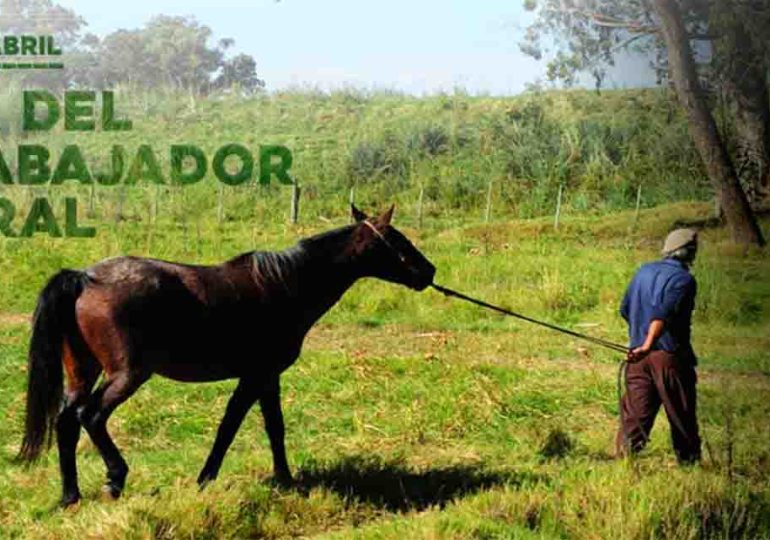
396	488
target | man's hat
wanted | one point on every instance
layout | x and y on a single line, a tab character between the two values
679	238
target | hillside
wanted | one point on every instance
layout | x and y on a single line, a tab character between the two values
462	152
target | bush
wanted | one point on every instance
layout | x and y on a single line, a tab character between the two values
430	141
371	161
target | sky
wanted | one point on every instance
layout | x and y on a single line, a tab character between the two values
414	46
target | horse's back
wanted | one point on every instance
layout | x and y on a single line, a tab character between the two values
168	314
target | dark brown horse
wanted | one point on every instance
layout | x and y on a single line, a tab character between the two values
129	318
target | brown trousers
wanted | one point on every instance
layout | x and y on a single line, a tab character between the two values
660	379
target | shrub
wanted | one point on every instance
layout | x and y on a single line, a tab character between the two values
370	161
430	141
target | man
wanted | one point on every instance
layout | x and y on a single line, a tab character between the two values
658	307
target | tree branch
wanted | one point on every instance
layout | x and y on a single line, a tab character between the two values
610	22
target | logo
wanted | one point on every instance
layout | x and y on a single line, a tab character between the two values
29	52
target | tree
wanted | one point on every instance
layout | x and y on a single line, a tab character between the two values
42	17
240	71
712	150
742	66
590	33
171	52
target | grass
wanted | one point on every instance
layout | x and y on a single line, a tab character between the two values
392	147
415	415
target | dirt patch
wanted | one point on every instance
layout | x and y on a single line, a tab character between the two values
388	340
461	347
14	319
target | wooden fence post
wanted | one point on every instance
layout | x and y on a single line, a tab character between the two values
351	199
638	203
154	207
295	191
488	210
121	199
220	203
419	207
558	207
91	204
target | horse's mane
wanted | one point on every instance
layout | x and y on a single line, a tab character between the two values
280	267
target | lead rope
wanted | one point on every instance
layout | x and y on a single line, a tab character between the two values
593	339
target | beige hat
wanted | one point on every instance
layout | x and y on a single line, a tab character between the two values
679	238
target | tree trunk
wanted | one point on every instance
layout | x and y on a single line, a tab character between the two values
746	85
753	128
740	219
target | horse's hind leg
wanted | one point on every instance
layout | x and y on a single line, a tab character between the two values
81	375
118	387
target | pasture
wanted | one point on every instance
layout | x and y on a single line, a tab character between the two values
411	415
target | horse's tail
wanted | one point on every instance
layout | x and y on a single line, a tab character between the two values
53	321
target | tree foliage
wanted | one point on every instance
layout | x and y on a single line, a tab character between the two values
720	41
240	72
169	52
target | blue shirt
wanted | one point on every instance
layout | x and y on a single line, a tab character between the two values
663	290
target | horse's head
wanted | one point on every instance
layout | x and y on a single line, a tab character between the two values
385	253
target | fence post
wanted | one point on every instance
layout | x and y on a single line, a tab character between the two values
558	207
154	207
121	198
488	210
220	203
351	199
419	207
295	190
91	204
638	203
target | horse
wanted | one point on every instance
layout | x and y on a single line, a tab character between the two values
128	318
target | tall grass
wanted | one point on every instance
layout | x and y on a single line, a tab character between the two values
599	148
412	415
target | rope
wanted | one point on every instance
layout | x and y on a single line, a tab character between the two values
593	339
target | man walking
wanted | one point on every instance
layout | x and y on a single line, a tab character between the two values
658	307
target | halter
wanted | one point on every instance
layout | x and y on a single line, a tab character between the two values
385	241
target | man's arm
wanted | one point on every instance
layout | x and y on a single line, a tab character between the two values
653	333
677	295
624	304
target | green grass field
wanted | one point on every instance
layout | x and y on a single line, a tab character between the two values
410	414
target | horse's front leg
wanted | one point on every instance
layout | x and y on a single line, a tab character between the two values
246	393
270	403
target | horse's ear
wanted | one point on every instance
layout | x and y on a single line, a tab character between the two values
387	216
357	214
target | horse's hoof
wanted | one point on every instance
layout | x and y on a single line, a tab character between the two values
283	481
70	500
204	480
111	492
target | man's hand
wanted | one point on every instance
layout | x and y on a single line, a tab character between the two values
653	333
635	355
